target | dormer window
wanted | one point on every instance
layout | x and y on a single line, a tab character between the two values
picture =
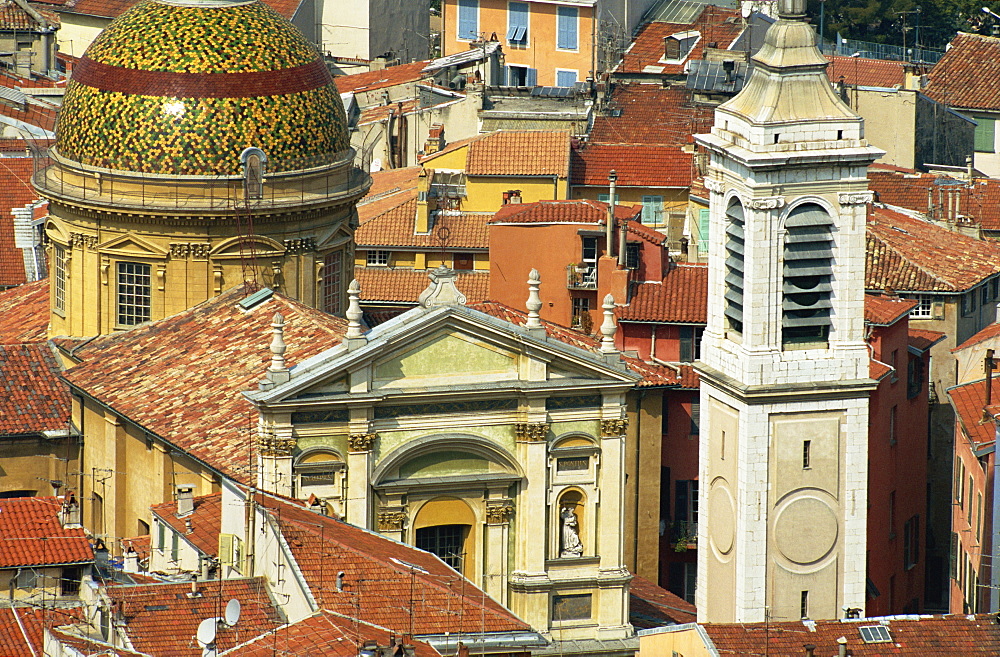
677	47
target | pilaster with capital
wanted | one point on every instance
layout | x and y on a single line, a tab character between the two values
531	431
391	521
275	449
499	515
359	469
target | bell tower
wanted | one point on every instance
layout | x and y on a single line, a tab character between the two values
784	370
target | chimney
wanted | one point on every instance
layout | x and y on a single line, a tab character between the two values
622	240
355	337
69	514
435	139
842	646
810	649
612	201
185	500
422	222
194	593
534	304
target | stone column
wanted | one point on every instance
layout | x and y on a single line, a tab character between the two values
530	581
275	472
359	503
496	536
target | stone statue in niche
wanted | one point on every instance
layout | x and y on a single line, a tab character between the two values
571	545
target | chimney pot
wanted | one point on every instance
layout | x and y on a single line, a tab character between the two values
185	500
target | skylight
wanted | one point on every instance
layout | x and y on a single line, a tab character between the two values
875	634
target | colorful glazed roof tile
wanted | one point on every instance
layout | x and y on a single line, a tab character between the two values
384	285
227	346
910	254
33	398
382	79
205	522
183	90
910	635
377	572
641	113
866	72
32	535
519	153
968	76
394	228
652	606
933	194
715	25
636	165
15	179
988	333
883	310
115	8
681	297
160	619
25	312
969	401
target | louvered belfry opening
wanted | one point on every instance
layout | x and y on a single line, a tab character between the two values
735	243
808	275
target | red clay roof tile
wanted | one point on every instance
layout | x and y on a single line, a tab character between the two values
636	165
31	534
968	76
646	53
395	228
922	339
883	311
25	312
991	331
520	153
15	180
381	284
205	522
641	113
387	77
33	398
681	297
652	606
969	401
980	202
865	72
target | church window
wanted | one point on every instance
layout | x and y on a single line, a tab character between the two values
332	282
808	274
59	274
134	293
446	541
317	473
253	161
734	266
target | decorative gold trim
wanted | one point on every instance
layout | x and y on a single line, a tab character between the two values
361	442
391	521
274	446
611	428
531	432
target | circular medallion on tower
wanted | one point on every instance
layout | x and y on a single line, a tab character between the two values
182	88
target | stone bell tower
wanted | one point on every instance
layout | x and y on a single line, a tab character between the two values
784	370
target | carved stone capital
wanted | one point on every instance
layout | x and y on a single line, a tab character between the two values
610	428
83	241
274	446
198	250
855	198
765	203
300	245
713	185
361	442
499	513
531	432
391	521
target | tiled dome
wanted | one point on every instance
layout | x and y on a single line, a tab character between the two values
184	88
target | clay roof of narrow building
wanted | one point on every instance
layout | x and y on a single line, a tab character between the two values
969	401
865	72
988	333
909	189
968	75
885	310
520	153
680	298
33	399
636	165
205	522
381	79
15	178
716	25
576	211
25	312
22	628
31	534
652	606
395	228
923	339
640	113
381	284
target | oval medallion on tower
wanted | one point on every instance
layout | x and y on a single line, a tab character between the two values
806	530
721	510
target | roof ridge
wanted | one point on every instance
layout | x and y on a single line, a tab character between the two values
910	261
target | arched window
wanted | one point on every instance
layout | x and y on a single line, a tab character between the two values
444	526
735	242
808	275
318	473
254	162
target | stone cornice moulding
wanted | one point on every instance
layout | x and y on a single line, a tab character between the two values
855	198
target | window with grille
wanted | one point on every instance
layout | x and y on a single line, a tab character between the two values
735	244
924	307
59	275
808	275
134	293
333	282
378	258
446	541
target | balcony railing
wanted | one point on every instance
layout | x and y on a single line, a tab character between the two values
581	277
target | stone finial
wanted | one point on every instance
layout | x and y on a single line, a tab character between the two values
278	344
608	328
791	8
442	290
355	336
534	302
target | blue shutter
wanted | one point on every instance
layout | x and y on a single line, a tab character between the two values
566	37
468	19
532	77
565	78
652	209
703	215
517	23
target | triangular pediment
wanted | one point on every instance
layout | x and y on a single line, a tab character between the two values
448	357
132	246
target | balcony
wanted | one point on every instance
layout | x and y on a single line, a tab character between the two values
684	535
581	277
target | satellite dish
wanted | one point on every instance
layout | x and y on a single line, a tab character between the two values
206	632
232	612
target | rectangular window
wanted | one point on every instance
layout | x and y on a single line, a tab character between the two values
652	210
581	313
567	37
517	23
914	376
468	19
333	277
463	261
631	255
924	308
690	343
892	425
911	542
703	215
804	604
565	78
806	449
174	547
59	274
571	607
686	500
695	418
589	249
984	138
604	198
378	258
892	515
969	303
161	537
69	583
134	293
979	518
520	76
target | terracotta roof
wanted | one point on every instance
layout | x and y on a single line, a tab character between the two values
379	573
36	112
651	114
968	75
877	370
969	401
908	189
652	606
33	398
115	8
573	211
689	377
380	113
88	646
652	374
636	166
205	520
991	331
161	619
327	634
922	339
25	312
141	545
22	628
909	254
205	415
15	179
387	77
910	635
31	534
645	55
394	228
866	72
453	146
391	181
681	297
381	284
883	311
520	153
